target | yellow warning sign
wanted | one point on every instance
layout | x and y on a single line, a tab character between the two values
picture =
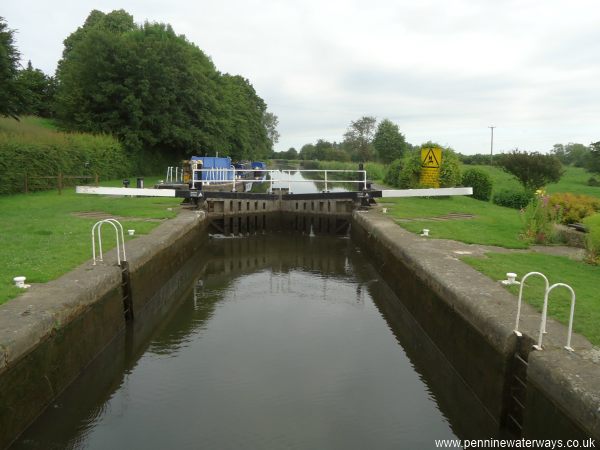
431	159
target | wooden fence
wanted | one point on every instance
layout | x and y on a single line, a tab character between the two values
59	180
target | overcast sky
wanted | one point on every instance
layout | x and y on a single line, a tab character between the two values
442	70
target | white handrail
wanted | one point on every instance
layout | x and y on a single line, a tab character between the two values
220	175
120	242
516	330
545	312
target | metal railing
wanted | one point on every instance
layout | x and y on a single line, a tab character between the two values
547	290
224	176
326	180
545	314
97	228
174	174
517	332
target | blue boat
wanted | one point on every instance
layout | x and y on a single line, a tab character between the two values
259	168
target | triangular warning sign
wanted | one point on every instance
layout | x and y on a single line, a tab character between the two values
430	159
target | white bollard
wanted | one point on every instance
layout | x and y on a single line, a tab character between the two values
20	282
510	279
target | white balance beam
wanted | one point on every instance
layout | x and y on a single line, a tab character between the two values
427	192
125	191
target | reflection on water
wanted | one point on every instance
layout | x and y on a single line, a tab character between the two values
280	342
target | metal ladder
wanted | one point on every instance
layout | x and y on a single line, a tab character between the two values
517	391
121	262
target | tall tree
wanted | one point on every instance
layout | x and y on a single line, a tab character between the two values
271	122
156	91
358	139
388	142
37	92
594	158
10	93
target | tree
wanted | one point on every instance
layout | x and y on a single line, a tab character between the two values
271	121
572	153
37	92
307	152
578	154
291	153
388	142
157	92
358	140
10	93
533	170
594	159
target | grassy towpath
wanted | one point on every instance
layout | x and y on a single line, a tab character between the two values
44	235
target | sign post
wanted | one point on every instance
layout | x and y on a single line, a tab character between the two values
431	160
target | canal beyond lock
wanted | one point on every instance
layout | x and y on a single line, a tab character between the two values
281	341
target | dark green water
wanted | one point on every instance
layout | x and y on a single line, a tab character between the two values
280	342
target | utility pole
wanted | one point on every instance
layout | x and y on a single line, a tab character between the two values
492	147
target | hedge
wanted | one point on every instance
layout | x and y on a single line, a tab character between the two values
48	153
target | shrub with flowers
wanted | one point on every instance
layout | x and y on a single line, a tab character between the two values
574	207
539	217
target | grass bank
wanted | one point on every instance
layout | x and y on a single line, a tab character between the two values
489	224
44	235
582	277
574	180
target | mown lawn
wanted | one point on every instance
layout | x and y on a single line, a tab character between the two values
580	276
490	225
41	237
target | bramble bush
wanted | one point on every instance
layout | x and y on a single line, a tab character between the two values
574	208
481	183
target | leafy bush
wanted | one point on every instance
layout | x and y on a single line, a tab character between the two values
410	172
592	238
480	182
450	174
393	173
573	208
593	181
533	170
511	198
45	152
